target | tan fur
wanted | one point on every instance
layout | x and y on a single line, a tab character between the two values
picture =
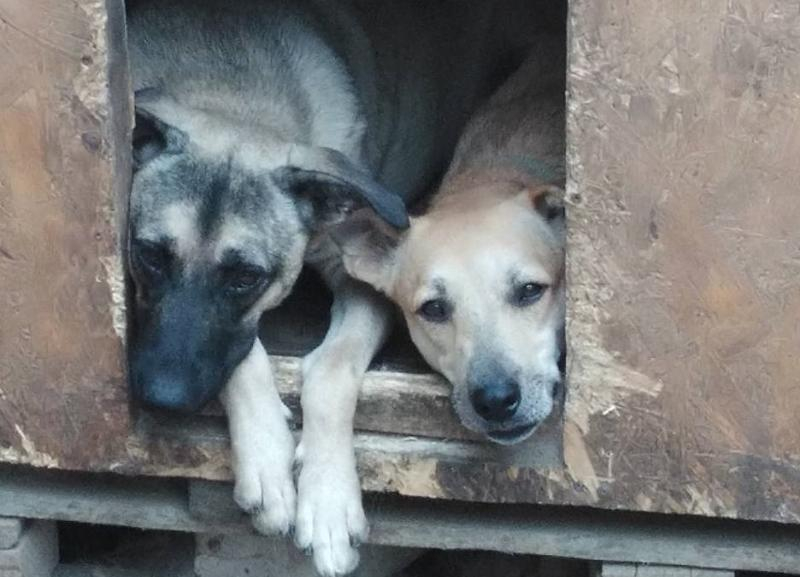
491	218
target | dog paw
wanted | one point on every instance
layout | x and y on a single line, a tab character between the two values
269	498
330	517
265	485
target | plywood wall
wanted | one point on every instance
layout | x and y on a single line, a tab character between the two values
64	121
684	257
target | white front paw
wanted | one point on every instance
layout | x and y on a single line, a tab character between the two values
264	483
268	496
330	517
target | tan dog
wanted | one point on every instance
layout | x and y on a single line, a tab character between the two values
480	277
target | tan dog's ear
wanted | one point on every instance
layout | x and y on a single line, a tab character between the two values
368	246
548	200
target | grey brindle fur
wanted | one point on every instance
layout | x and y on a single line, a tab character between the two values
259	124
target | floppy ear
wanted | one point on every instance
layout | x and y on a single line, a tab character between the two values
548	200
151	136
335	186
368	246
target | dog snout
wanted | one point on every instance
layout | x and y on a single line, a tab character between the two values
171	395
497	401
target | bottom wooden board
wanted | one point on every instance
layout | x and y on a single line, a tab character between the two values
580	533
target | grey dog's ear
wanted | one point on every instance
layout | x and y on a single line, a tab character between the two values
333	184
152	136
368	247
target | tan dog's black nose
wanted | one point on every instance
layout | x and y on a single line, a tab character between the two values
496	402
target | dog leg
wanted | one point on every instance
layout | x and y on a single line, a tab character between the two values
261	443
330	516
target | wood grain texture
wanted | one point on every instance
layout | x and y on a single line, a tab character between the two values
62	395
528	529
637	570
684	256
683	266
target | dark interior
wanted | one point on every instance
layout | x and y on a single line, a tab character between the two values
299	324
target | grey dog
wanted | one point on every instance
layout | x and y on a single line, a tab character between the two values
258	125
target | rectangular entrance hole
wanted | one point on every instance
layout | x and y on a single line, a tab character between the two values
420	408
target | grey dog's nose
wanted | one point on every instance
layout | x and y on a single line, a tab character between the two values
169	395
496	402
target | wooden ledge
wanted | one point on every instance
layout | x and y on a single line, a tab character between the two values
582	533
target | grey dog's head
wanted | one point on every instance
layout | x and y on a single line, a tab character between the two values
219	225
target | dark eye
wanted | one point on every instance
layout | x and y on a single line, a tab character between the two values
152	258
435	310
242	280
528	293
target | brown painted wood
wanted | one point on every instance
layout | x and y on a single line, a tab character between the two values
63	118
683	267
684	256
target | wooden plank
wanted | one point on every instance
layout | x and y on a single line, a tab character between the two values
552	531
391	401
10	531
684	255
409	466
63	173
638	570
34	555
394	401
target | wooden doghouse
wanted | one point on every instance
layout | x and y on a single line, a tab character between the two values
683	266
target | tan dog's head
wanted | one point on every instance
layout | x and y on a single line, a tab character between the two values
480	282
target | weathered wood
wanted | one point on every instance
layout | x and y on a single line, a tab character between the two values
62	190
392	401
552	531
388	463
34	555
683	265
10	531
637	570
684	256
